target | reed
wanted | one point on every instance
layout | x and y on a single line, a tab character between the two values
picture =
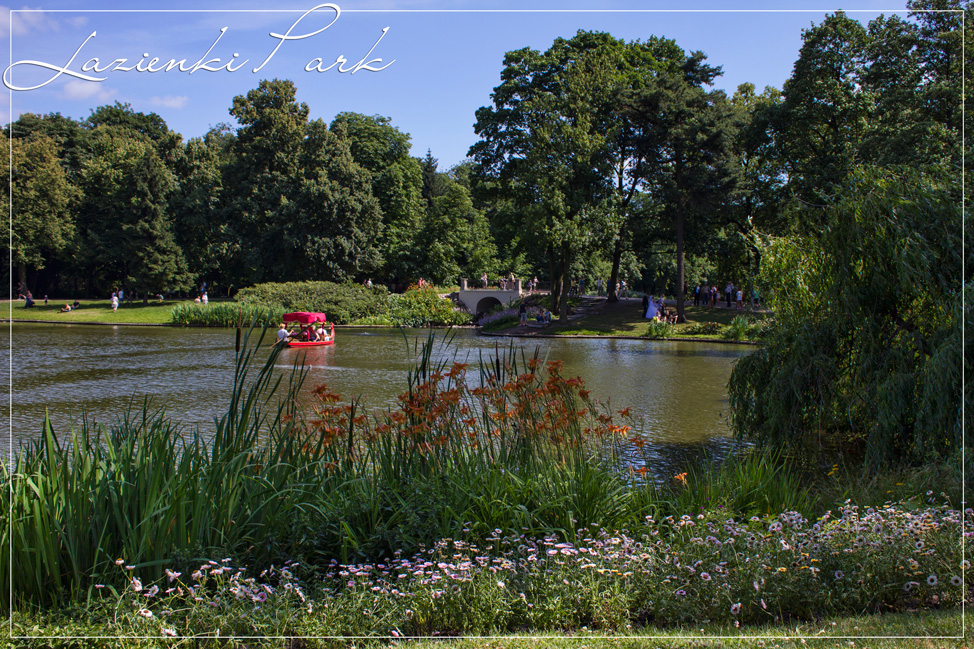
226	314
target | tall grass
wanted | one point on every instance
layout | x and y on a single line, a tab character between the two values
145	491
226	314
738	327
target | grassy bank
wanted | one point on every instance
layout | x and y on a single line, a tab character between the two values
153	313
597	317
913	630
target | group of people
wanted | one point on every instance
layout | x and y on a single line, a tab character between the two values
655	309
543	317
310	333
703	294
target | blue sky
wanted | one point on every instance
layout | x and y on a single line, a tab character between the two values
437	66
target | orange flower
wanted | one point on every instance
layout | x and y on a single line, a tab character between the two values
681	478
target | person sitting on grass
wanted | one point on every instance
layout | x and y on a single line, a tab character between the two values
67	307
75	306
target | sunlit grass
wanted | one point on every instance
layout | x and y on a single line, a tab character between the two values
155	312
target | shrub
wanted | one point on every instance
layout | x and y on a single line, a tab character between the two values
343	303
423	306
658	329
738	328
702	328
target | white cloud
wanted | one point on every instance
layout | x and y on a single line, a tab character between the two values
86	90
23	22
169	101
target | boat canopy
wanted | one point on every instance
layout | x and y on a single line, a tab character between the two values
305	317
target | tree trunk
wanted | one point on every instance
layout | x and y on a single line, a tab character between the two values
680	206
566	262
22	276
553	269
614	273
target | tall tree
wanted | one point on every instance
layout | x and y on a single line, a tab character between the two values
544	141
639	64
198	221
300	204
41	225
397	183
127	234
331	224
821	121
686	136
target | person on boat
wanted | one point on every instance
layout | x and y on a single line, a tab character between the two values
282	333
312	334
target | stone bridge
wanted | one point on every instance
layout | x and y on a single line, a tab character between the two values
482	300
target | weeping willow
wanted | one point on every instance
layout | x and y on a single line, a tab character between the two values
865	353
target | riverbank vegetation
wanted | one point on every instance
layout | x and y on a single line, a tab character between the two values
511	494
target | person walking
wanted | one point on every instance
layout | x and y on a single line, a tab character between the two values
728	292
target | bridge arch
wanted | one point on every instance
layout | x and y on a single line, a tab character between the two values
487	303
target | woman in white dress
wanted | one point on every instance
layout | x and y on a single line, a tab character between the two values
652	310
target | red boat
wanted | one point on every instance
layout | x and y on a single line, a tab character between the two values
307	320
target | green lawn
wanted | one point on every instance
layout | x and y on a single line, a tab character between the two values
154	312
914	630
625	318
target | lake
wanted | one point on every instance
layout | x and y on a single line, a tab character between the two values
676	390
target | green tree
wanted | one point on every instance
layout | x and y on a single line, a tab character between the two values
397	183
259	179
822	119
198	221
127	235
544	141
41	224
297	205
455	239
685	135
639	65
330	225
864	356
